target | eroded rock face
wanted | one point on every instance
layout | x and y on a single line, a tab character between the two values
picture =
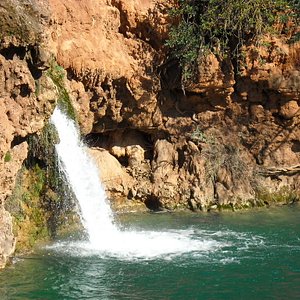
211	142
106	47
7	239
27	98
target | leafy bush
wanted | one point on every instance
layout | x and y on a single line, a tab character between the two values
222	26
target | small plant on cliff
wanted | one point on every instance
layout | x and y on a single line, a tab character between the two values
218	155
198	135
7	157
222	27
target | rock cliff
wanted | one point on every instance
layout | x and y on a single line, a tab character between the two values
229	139
27	98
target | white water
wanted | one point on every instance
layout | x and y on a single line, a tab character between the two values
105	238
83	177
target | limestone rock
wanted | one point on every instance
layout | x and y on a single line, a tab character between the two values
289	109
7	239
118	76
136	155
27	97
113	176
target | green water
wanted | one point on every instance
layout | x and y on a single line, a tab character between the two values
245	255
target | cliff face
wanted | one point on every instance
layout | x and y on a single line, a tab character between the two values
229	139
27	98
109	50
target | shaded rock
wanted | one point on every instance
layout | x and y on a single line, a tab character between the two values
136	155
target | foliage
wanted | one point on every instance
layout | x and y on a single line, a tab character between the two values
56	196
222	26
218	155
7	157
40	203
198	135
42	146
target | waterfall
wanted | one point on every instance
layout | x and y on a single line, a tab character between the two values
105	238
83	178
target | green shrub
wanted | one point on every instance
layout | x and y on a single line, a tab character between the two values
222	27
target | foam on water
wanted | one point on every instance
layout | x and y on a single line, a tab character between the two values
130	245
207	246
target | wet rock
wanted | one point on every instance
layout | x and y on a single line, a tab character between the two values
193	204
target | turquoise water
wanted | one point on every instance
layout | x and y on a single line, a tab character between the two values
241	255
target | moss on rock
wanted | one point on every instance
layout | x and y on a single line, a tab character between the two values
285	195
57	74
29	215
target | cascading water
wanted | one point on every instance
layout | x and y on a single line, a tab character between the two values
105	238
83	178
